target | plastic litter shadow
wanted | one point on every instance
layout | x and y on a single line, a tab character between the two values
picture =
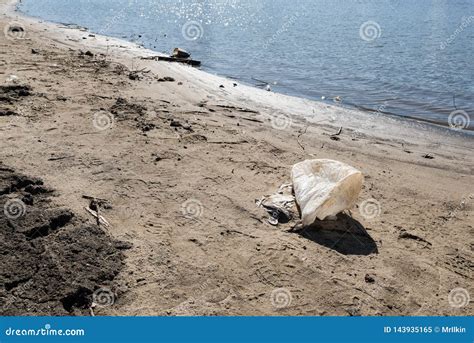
344	235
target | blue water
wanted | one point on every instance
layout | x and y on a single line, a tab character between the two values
414	60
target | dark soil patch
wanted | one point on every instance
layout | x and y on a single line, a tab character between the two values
124	109
9	95
5	112
9	92
51	261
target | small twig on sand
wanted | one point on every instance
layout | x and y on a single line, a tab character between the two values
334	136
240	233
230	143
60	158
98	215
88	197
298	138
99	218
338	132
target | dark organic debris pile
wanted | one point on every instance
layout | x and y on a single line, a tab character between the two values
124	109
52	262
9	95
13	92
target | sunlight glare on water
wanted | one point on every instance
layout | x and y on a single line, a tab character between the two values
409	58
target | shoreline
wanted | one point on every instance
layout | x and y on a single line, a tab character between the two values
422	123
296	105
176	164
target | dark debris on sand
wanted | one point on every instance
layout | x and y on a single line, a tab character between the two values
9	95
51	262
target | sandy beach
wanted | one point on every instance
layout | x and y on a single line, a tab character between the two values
175	158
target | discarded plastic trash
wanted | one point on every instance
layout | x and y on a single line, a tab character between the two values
12	78
280	205
324	188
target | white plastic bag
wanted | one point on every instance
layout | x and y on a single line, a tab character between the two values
325	188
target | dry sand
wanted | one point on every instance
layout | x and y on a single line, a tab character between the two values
179	171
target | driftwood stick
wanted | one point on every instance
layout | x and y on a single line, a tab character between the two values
98	214
338	132
299	136
89	197
101	219
230	143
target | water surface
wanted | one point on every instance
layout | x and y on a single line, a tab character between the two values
410	58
